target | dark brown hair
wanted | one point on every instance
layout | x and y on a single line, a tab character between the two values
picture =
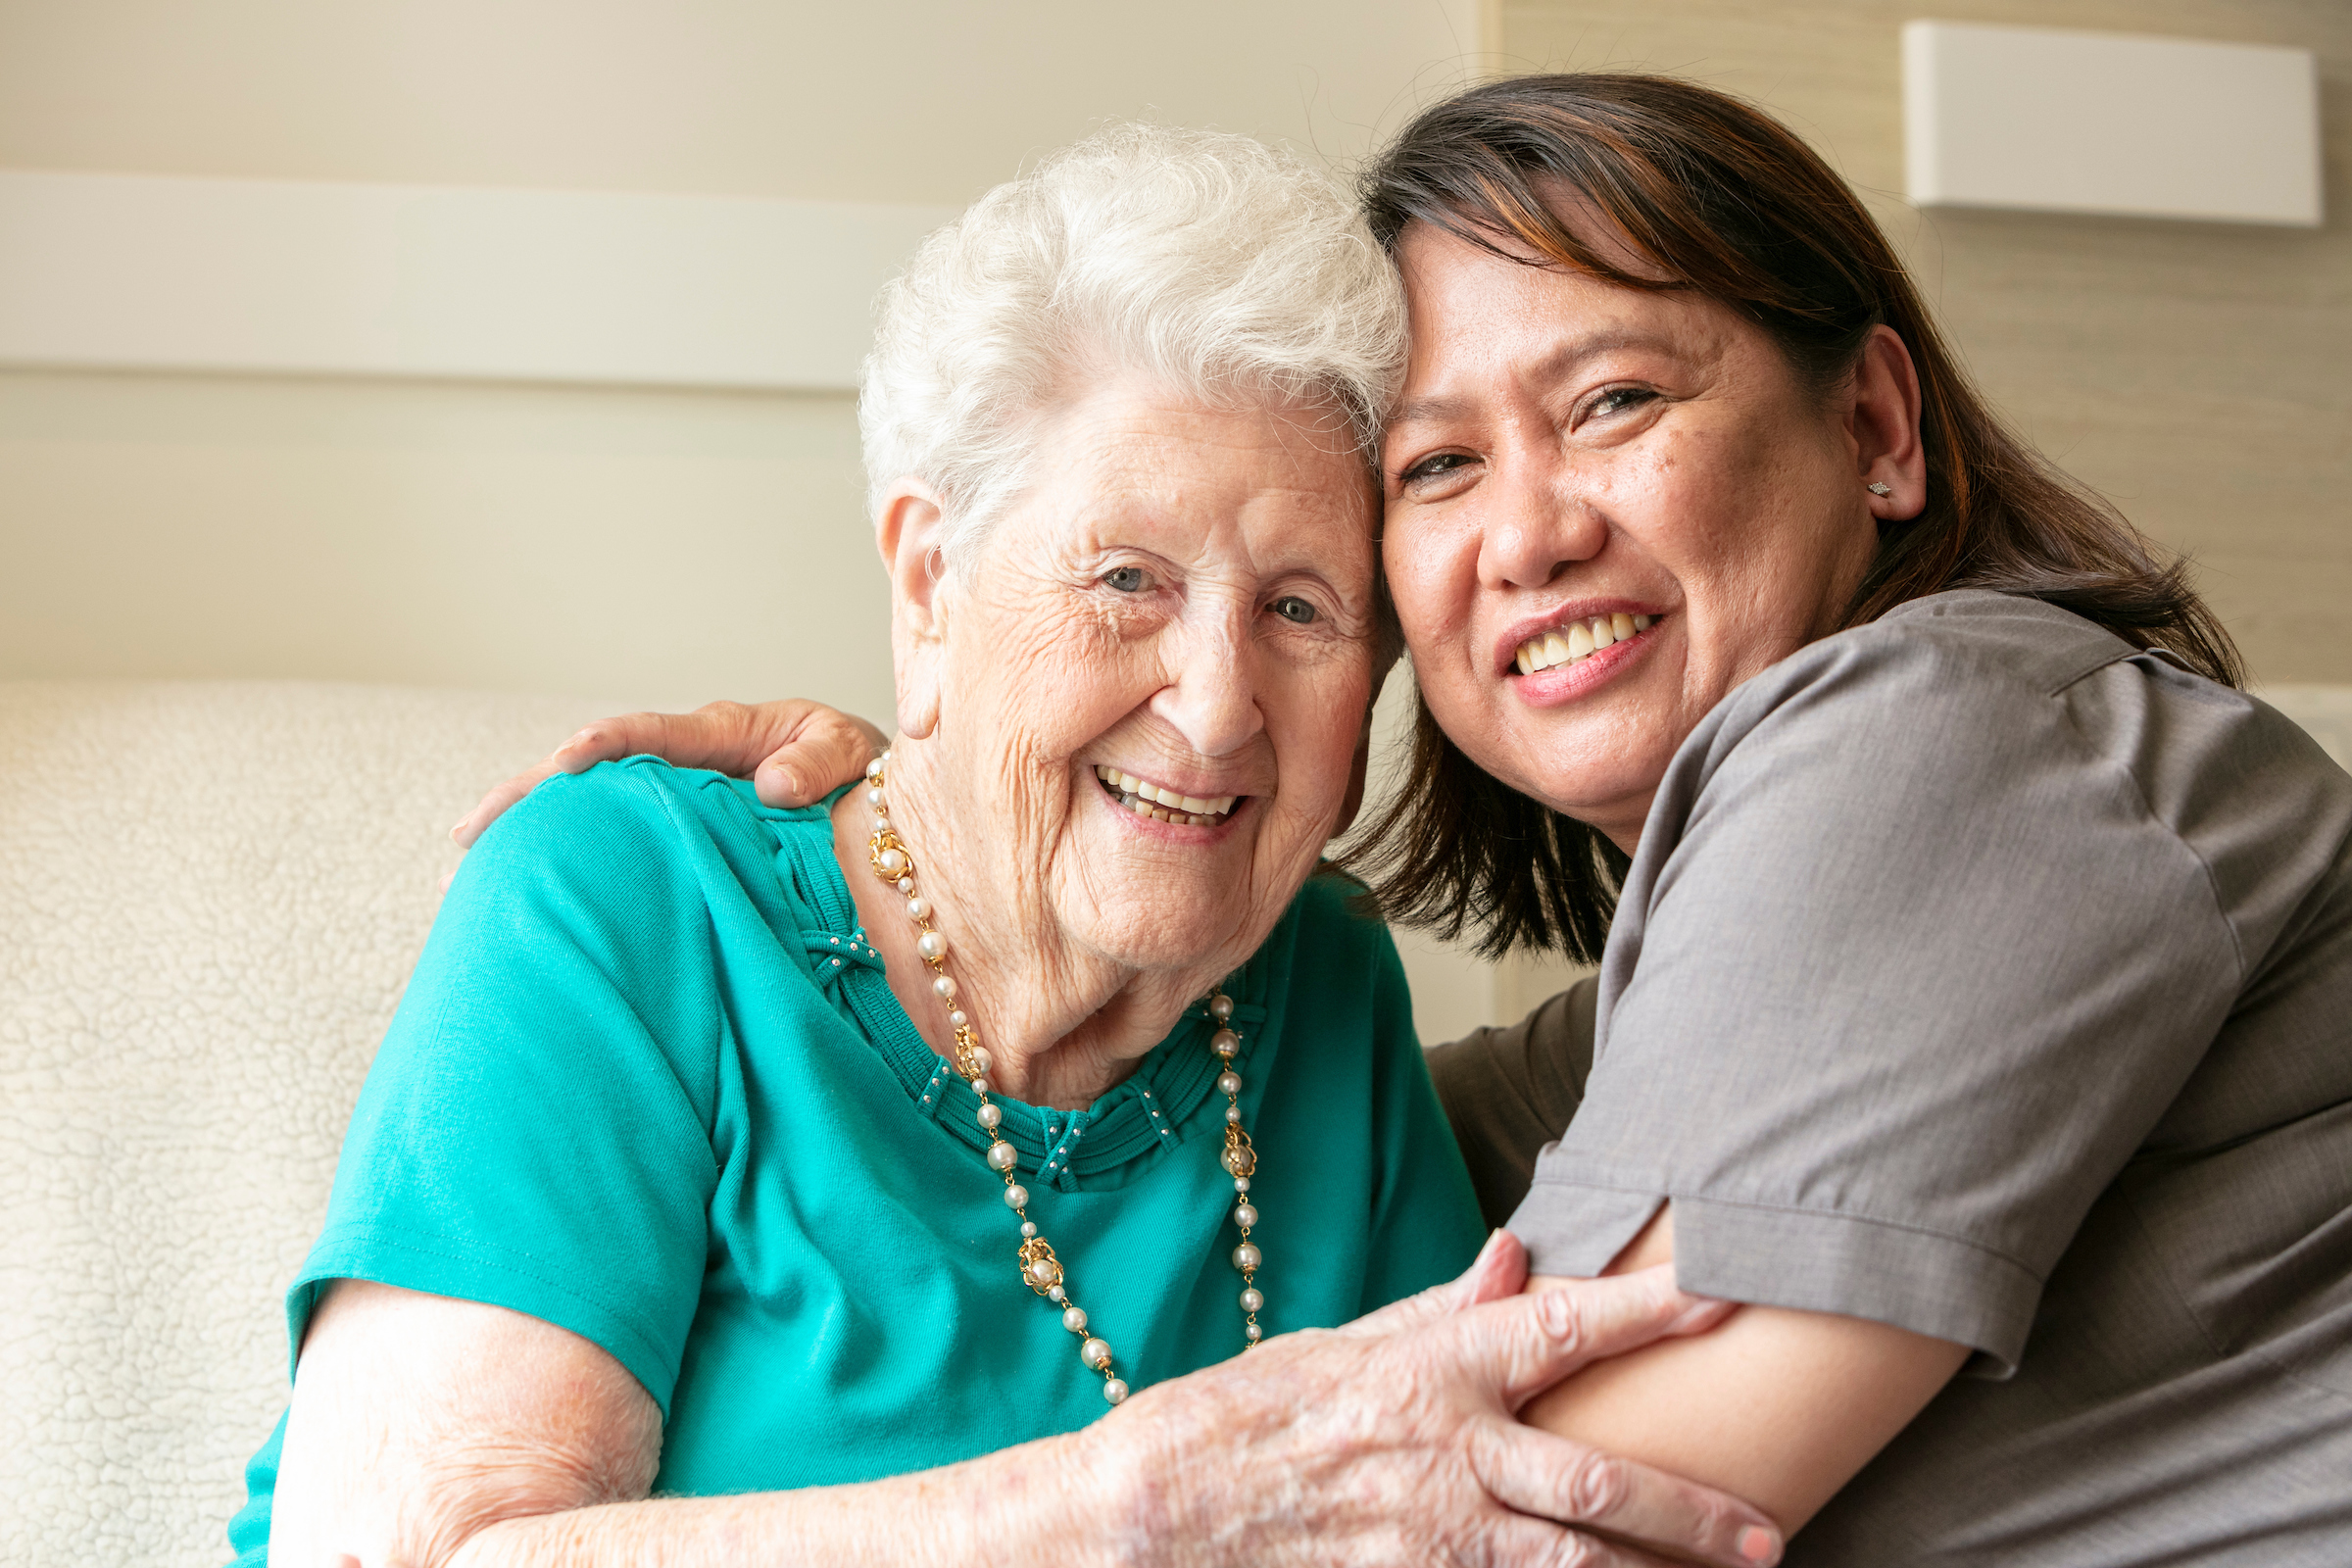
1724	202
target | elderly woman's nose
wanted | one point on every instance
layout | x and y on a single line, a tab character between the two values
1210	695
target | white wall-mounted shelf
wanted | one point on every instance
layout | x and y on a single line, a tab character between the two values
2049	121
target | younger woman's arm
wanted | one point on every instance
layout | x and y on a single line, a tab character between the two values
1781	1407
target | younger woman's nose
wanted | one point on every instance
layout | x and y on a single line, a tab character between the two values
1533	526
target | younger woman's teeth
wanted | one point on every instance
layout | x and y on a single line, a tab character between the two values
1577	641
1146	798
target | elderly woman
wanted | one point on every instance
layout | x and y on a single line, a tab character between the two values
750	1156
1977	989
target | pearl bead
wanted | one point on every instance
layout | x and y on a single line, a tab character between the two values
1057	1295
989	1115
943	986
1003	1156
1220	1007
1114	1391
1246	1257
931	944
1245	1216
1096	1353
1016	1196
1252	1300
907	886
981	1060
1241	1184
873	795
1028	1229
918	908
1073	1319
1224	1041
873	770
1233	1114
1229	1083
958	1019
979	1085
1043	1270
893	863
1252	1333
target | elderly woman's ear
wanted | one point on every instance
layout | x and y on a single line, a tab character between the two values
910	531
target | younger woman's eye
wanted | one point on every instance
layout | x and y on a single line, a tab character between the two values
1432	467
1618	398
1292	608
1127	579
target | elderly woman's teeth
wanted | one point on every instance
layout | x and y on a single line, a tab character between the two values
1146	798
1578	641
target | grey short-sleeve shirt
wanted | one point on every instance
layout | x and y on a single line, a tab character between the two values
1980	975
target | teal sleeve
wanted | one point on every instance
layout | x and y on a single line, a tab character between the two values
1425	1222
249	1527
536	1131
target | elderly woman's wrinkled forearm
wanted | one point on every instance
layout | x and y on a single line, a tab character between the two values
1027	1504
1391	1440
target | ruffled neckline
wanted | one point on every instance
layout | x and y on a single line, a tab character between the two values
1150	1110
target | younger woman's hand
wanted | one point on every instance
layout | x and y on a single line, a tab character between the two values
797	751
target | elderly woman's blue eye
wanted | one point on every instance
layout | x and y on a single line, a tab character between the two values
1128	580
1294	608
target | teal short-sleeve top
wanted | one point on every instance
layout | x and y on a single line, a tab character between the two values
649	1083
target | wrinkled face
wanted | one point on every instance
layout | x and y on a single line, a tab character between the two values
1153	679
1605	508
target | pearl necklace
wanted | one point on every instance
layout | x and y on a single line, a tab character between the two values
1041	1271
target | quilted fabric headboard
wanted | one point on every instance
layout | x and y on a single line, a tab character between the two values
209	897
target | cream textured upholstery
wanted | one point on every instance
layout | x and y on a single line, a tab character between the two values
210	897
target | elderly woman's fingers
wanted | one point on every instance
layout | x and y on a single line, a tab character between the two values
1498	1271
1555	1478
1516	1541
1519	1348
817	751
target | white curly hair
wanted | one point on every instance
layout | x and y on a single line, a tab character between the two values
1209	262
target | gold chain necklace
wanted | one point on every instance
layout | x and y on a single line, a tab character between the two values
1041	1271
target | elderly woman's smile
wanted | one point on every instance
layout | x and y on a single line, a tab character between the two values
1130	711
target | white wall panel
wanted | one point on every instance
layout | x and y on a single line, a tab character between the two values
131	271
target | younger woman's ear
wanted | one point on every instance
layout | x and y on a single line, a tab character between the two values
908	530
1884	425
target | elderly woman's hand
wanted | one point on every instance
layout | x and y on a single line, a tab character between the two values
1396	1439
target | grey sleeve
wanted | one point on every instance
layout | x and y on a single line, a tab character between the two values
1904	972
1509	1091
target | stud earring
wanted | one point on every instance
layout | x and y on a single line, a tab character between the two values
1879	489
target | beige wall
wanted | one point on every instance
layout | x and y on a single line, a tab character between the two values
657	547
2200	374
910	101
